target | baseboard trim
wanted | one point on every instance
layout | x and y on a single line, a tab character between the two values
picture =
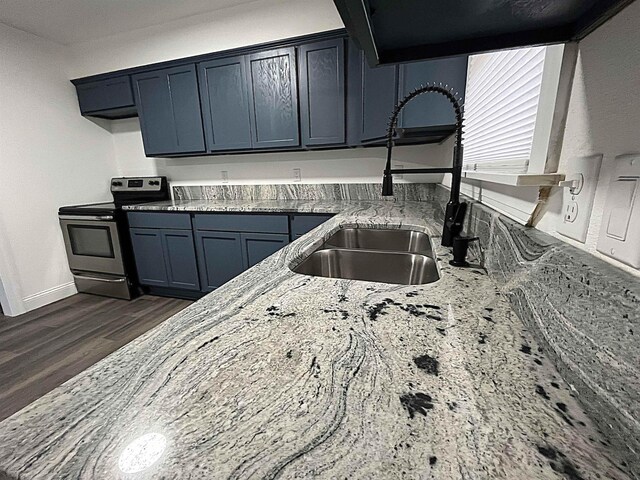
49	295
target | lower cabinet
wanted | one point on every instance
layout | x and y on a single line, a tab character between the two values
172	256
219	258
225	255
165	258
258	246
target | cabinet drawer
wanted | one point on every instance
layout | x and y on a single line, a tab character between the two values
301	224
159	220
105	94
242	223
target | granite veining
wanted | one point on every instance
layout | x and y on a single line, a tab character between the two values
584	311
282	375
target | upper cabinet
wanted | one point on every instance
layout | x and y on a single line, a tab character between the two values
169	110
431	109
379	97
273	98
109	98
225	104
322	93
312	92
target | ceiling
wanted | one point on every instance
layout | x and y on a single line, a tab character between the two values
71	21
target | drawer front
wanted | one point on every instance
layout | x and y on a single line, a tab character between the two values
159	220
105	94
301	224
242	223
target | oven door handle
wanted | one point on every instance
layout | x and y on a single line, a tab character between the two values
99	279
86	217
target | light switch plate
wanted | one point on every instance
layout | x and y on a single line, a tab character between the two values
620	229
297	175
577	203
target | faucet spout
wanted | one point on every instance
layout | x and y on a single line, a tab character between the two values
455	210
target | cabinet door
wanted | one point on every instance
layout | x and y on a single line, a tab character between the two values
379	96
148	251
169	110
225	104
322	93
431	109
219	258
273	98
110	94
180	259
258	246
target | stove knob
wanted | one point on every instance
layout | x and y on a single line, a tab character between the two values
116	184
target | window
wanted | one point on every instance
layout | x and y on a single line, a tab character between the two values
510	102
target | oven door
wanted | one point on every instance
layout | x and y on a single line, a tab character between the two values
92	243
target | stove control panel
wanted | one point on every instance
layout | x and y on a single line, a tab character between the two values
137	184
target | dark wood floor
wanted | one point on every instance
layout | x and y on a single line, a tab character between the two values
46	347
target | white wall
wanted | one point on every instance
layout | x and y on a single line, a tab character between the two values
603	118
49	156
246	24
242	25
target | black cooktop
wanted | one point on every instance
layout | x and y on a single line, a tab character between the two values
107	208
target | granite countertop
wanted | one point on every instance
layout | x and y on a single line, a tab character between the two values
277	374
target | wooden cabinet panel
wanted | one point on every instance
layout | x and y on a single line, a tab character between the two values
322	93
148	251
225	104
169	109
431	109
273	98
379	96
258	246
104	95
219	258
180	259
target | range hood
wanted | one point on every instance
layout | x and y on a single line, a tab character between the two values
391	31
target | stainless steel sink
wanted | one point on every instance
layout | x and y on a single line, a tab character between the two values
381	239
402	257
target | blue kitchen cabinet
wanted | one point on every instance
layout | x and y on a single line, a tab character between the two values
273	98
180	259
379	95
225	104
322	93
219	258
148	251
107	98
301	224
431	109
164	250
169	109
258	246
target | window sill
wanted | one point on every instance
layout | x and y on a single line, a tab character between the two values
515	179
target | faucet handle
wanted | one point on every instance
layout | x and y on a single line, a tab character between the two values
460	248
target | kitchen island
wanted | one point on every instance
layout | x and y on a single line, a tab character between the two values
282	375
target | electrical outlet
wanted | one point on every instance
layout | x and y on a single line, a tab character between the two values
571	213
399	166
577	199
297	175
225	176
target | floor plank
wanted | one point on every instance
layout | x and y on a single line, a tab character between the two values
44	348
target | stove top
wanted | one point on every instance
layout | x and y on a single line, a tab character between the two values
125	191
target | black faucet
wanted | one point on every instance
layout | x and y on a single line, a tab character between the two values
456	210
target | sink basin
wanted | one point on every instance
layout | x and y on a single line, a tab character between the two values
379	239
402	268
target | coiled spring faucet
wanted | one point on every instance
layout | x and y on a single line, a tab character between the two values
456	210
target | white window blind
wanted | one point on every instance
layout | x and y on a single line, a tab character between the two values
501	105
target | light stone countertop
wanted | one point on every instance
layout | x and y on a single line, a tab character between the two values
281	375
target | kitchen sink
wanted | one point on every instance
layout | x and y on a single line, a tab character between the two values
371	265
402	257
381	239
